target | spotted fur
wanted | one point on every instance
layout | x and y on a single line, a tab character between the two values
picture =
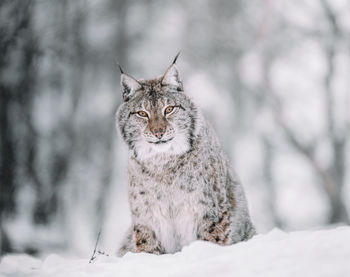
180	185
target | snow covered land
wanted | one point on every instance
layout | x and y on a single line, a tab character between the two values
304	253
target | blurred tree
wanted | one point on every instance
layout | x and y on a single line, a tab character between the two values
19	52
331	176
121	41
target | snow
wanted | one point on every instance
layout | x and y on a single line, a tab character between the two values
303	253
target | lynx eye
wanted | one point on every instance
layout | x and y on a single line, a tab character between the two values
169	109
142	114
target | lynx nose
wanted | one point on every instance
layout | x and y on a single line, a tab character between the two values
158	133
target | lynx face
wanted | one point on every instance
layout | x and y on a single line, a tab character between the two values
156	116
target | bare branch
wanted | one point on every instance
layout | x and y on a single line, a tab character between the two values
306	150
331	16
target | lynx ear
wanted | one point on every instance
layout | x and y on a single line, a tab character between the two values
172	76
128	86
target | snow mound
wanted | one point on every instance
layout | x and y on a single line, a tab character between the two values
307	253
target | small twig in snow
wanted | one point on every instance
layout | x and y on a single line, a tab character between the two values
93	257
102	253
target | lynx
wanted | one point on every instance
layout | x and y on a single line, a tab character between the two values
181	188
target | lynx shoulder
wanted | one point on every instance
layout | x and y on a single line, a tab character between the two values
181	188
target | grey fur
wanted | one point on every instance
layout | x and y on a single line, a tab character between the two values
180	186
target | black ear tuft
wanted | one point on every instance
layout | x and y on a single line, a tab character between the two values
178	54
120	68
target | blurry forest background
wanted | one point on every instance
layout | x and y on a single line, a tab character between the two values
272	76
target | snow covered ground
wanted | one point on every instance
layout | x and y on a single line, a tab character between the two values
306	253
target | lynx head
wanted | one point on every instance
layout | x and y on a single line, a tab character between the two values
156	118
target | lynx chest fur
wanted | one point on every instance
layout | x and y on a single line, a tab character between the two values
180	186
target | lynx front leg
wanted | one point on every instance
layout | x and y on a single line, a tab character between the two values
145	240
127	245
216	230
140	239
